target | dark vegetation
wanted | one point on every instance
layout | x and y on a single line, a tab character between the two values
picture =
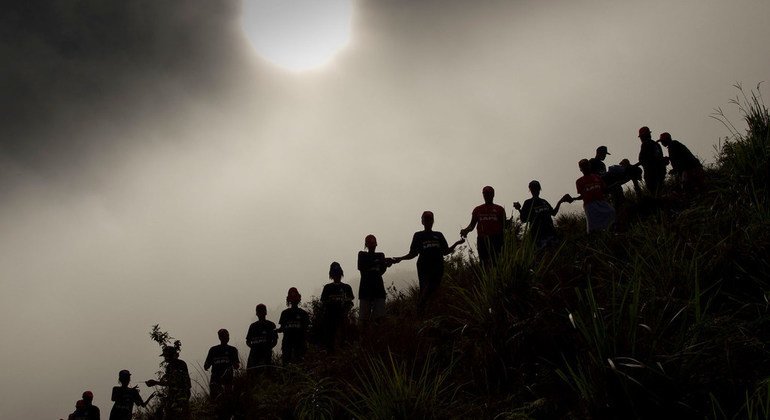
669	319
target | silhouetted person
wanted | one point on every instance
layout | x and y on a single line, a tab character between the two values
336	301
91	409
652	161
618	175
539	214
223	361
261	339
597	162
684	165
294	323
175	403
80	412
615	177
371	290
591	189
489	221
125	398
431	247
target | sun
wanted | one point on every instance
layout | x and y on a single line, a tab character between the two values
297	34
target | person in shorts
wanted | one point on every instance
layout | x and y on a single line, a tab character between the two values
591	189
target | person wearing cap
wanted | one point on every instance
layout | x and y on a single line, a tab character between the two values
539	214
489	221
597	162
125	397
92	410
261	338
591	189
175	403
223	360
294	322
336	302
652	161
684	165
80	412
431	247
371	289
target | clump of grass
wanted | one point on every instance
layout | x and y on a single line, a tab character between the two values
387	388
743	158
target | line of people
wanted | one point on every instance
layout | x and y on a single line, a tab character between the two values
597	186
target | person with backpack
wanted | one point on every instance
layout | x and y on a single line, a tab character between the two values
261	338
294	323
336	302
126	397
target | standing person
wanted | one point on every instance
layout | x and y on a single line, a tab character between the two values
489	220
652	161
371	290
599	213
294	323
223	361
684	165
261	338
176	401
431	247
92	410
597	162
336	301
125	398
539	214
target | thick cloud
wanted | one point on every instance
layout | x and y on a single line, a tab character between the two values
72	69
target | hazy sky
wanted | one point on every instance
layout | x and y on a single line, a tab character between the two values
155	168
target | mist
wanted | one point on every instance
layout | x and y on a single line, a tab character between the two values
156	169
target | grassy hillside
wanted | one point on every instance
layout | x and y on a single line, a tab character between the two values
670	318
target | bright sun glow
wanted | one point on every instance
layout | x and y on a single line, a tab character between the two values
297	34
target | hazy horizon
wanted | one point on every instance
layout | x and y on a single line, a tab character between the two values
156	169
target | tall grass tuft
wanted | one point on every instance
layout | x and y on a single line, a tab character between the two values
387	388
